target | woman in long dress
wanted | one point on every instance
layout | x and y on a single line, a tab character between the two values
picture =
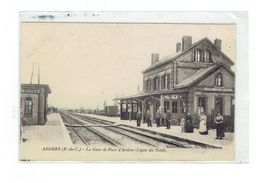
188	124
182	125
220	128
203	124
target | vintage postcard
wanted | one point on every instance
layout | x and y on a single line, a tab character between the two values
98	88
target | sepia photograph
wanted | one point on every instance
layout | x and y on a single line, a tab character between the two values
126	91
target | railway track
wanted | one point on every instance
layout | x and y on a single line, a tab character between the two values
86	134
121	136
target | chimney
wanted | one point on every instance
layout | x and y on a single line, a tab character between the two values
186	42
217	43
154	58
178	47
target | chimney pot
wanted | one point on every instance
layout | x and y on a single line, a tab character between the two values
154	58
178	47
186	42
217	43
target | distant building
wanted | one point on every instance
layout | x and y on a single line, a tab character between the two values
198	77
33	103
52	109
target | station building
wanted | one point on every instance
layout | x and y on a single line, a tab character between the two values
198	77
34	103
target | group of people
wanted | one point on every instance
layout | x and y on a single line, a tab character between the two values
186	123
158	117
219	123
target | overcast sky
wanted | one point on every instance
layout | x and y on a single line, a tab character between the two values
87	63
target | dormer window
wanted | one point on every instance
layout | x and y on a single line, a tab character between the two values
207	56
202	56
198	55
219	80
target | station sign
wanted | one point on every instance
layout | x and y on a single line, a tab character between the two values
30	91
219	89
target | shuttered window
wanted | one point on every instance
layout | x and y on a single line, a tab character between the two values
174	107
168	81
166	105
163	82
207	56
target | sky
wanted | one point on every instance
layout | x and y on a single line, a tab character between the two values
86	64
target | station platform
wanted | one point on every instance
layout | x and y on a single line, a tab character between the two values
52	133
175	131
37	137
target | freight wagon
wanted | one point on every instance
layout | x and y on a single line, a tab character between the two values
111	110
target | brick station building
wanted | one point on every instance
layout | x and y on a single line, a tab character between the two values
33	103
198	77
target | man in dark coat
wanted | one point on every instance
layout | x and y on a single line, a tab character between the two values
138	118
158	118
148	118
168	119
188	124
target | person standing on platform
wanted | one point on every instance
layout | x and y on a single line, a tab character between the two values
158	118
188	124
148	118
168	119
219	121
138	118
182	125
203	124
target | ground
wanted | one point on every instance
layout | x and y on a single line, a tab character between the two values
52	142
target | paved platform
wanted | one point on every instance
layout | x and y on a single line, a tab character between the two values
52	133
209	139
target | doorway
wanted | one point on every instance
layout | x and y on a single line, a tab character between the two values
219	105
201	104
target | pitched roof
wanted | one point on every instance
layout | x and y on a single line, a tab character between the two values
200	74
169	58
197	76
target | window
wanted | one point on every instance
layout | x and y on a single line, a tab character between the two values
198	56
135	107
148	85
28	109
129	107
201	104
155	84
157	81
182	107
174	107
123	107
163	82
207	56
168	81
219	80
166	106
